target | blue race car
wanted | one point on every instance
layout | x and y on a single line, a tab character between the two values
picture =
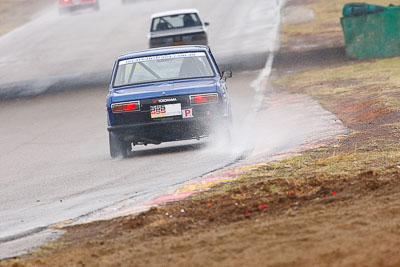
166	94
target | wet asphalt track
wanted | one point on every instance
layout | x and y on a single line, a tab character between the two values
54	53
54	157
55	163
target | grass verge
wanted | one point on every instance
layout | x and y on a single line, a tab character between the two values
325	28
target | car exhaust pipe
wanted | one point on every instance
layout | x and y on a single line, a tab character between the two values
146	141
136	140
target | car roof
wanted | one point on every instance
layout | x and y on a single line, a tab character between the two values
174	12
165	50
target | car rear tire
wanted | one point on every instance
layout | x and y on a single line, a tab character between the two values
118	148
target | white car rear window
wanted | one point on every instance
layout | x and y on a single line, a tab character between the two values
175	22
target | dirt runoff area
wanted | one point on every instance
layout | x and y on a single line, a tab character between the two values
336	205
14	13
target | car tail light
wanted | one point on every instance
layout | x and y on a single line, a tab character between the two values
203	99
156	42
65	2
199	37
125	107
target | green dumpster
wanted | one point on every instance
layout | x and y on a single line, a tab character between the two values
372	33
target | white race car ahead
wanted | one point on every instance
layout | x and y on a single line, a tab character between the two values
179	27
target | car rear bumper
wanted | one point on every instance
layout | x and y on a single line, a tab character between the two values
200	42
166	130
189	38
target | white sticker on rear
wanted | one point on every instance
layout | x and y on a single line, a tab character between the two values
161	57
162	111
187	113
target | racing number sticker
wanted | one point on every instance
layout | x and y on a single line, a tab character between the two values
157	111
187	113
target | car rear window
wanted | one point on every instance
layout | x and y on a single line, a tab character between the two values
163	68
175	22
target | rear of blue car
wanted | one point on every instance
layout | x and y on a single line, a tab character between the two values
164	95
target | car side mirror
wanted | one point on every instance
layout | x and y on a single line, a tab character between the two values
206	24
227	74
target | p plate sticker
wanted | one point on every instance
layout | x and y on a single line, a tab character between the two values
187	113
